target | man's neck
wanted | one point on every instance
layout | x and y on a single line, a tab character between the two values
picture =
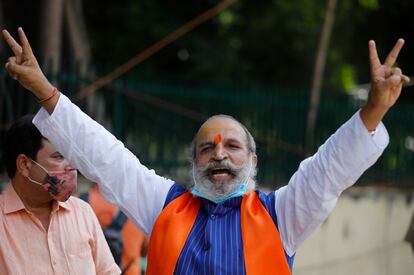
33	197
35	200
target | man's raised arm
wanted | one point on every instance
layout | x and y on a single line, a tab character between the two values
313	190
98	155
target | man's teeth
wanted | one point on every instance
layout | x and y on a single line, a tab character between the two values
220	172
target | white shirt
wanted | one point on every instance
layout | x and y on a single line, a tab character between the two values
301	206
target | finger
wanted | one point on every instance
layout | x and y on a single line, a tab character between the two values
14	59
396	71
10	67
392	82
10	60
15	70
374	61
27	50
14	46
388	71
392	56
405	79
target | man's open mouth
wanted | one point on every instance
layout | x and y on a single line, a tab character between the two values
220	174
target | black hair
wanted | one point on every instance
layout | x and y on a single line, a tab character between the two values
21	138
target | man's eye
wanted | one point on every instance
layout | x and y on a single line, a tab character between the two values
234	146
59	157
205	149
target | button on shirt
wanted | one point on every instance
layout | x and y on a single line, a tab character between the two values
73	244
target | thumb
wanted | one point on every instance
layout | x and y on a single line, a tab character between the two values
392	81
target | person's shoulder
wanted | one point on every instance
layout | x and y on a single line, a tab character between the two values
265	194
5	195
267	198
176	190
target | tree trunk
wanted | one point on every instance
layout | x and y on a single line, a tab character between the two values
5	100
318	73
50	47
80	48
78	40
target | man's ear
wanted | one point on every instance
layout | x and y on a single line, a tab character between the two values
23	165
254	160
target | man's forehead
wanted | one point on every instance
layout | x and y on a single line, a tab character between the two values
225	127
47	147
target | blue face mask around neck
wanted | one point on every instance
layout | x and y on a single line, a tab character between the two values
240	191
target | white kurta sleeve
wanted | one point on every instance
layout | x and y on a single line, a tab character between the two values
100	157
313	190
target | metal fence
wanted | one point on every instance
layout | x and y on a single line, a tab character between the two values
158	117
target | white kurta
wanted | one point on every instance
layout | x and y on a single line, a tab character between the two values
301	206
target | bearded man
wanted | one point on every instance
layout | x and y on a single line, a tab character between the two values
222	225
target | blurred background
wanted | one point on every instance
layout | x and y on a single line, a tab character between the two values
291	71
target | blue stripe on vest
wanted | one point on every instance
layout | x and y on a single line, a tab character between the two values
215	245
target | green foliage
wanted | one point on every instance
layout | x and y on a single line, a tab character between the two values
348	77
250	40
226	18
276	118
250	44
269	41
370	4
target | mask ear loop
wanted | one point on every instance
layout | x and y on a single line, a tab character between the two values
38	164
245	181
44	169
193	174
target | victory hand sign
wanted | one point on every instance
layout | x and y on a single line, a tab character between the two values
386	85
24	68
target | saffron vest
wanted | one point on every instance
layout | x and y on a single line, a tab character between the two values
262	246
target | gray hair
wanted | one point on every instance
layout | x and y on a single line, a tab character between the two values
251	144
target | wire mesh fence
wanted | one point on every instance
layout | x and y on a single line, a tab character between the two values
158	117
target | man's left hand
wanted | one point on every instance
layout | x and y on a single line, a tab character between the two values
386	85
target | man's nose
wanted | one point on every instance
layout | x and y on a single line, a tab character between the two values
219	152
68	166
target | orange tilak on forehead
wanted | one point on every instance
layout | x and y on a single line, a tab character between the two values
217	138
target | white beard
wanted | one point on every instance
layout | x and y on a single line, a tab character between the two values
243	174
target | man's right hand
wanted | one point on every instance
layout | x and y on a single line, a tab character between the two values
24	68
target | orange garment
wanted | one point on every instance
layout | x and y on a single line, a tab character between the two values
133	238
73	244
262	246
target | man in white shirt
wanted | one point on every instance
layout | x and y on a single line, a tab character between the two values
205	229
